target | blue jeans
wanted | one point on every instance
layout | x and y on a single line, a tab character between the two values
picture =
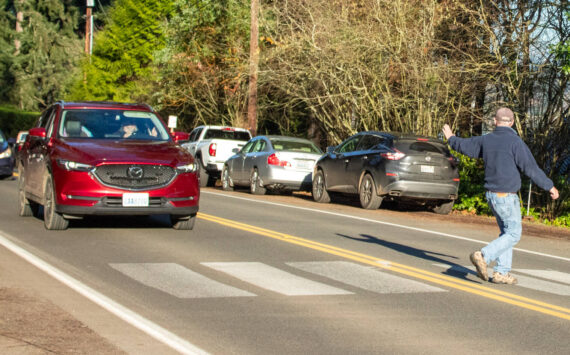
507	211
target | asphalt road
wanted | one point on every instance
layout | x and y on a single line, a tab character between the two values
282	274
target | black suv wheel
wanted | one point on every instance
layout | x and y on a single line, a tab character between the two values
319	191
369	198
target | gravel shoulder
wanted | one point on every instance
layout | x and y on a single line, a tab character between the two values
31	323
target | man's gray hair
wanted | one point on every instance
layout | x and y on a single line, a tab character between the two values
505	114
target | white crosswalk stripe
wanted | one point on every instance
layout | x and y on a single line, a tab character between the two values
274	279
541	285
547	274
364	277
526	281
178	281
182	282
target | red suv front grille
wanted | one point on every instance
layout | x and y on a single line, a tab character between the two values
134	176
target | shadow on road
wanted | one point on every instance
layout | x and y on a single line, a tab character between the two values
454	269
114	222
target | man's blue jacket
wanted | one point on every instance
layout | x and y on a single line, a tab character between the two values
505	156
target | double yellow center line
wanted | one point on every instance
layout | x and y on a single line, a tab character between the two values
436	278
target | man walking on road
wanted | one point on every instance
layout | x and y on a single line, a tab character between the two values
504	154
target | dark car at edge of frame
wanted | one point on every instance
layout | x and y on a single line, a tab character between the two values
6	157
382	166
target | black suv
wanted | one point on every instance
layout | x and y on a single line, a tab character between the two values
396	166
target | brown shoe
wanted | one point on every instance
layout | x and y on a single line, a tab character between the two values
480	264
507	278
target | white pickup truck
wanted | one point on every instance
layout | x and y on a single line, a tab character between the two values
212	146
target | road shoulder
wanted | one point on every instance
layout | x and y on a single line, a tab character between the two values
40	315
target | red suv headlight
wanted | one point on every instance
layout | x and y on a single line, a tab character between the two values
74	166
189	168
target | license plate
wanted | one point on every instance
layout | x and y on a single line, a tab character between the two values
427	169
132	199
305	164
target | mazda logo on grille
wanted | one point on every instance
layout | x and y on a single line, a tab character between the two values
135	172
428	158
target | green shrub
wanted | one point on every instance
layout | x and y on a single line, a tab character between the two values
13	120
471	191
560	221
532	212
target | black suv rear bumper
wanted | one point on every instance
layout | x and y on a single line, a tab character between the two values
422	190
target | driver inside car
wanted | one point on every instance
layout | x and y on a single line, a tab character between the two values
128	129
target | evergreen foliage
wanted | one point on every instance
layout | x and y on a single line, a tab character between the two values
38	72
120	67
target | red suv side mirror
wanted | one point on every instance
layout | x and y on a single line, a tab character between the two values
38	132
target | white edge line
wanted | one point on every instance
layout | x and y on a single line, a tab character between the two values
385	223
108	304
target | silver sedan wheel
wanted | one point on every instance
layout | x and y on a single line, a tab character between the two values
226	179
255	184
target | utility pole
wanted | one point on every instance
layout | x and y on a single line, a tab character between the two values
253	65
89	27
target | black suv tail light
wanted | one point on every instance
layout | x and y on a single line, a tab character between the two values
395	155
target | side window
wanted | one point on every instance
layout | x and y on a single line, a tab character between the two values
369	141
43	120
350	145
50	122
247	148
192	136
195	134
260	146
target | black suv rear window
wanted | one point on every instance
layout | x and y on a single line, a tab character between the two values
411	147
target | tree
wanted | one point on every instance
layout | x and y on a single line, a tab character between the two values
527	75
204	66
401	65
358	65
562	48
121	65
37	60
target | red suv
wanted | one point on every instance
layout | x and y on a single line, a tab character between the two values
105	158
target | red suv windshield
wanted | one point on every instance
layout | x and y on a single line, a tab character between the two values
111	124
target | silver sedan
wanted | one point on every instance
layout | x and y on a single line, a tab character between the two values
277	163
